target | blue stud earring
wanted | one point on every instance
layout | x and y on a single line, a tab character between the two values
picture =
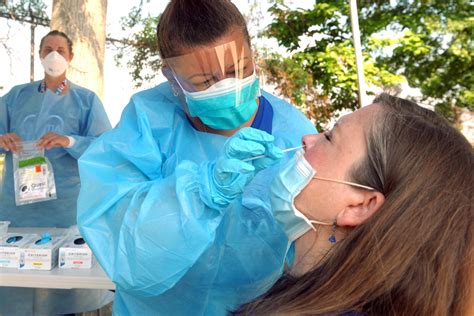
332	239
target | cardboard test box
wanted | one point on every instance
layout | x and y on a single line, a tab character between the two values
75	254
11	248
41	253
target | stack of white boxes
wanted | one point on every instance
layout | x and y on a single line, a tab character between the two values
35	252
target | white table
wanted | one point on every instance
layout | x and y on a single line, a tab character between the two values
94	278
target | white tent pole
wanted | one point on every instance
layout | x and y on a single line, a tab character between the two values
358	53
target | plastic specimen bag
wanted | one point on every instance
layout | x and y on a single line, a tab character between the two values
33	175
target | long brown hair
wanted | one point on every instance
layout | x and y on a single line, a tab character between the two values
415	255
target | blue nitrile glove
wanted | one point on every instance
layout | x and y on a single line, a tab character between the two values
236	149
223	179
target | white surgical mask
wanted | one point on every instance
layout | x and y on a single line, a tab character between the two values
288	183
54	64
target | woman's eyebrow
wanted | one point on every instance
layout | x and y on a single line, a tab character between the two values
238	61
51	47
205	74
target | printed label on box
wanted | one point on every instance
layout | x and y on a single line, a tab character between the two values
11	249
75	254
40	255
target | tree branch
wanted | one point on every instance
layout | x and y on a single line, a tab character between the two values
28	19
8	50
126	42
46	22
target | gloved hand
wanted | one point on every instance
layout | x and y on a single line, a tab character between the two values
223	179
250	142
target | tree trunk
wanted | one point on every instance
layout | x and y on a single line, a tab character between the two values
84	21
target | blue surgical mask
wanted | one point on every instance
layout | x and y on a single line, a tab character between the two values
289	182
226	104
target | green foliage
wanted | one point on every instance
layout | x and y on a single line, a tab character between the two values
31	11
141	49
428	43
327	62
435	50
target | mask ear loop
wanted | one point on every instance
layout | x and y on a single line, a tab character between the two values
346	182
320	223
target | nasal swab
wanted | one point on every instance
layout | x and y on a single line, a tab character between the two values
283	150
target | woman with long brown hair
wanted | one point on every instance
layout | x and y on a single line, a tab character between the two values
388	193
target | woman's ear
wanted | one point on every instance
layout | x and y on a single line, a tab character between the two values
364	206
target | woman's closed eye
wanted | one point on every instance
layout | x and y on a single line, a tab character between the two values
203	85
328	136
207	83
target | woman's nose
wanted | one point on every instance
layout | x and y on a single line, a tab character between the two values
309	140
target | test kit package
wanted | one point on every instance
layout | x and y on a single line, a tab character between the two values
33	175
41	253
75	254
12	247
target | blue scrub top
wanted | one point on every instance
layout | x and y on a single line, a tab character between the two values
140	211
264	118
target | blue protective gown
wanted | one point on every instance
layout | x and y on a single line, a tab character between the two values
31	114
139	209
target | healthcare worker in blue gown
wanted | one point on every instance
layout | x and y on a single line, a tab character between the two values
64	119
174	211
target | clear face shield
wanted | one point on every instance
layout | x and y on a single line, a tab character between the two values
219	84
